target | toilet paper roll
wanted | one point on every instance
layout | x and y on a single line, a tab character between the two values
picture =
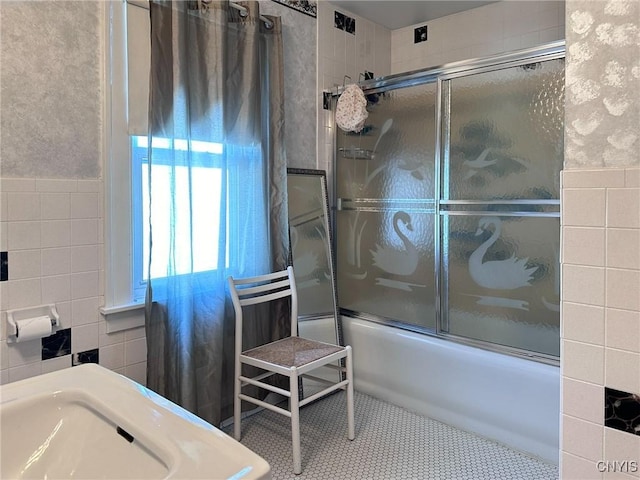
31	328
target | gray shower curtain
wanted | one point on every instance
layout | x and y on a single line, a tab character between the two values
217	195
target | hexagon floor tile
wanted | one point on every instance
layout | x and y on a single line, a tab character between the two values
391	444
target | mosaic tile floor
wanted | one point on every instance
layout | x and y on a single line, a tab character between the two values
391	444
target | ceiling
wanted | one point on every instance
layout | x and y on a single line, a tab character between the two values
395	14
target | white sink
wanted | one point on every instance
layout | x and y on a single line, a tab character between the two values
89	422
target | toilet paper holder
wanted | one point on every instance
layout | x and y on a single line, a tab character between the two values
15	315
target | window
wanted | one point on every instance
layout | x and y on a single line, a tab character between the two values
127	54
127	176
205	205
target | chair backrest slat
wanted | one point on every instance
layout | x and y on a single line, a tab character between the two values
261	289
264	289
261	278
265	298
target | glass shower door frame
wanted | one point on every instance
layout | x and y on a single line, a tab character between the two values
446	208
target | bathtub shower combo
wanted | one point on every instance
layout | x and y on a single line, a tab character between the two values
448	224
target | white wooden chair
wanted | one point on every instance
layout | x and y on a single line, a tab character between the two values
291	356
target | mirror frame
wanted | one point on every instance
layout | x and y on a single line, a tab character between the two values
322	175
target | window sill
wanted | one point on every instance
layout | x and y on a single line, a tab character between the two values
123	317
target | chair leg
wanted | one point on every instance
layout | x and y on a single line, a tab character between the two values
237	412
295	423
350	415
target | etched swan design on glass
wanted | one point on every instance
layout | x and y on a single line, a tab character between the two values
481	161
398	262
498	274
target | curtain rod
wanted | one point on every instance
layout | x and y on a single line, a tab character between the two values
243	11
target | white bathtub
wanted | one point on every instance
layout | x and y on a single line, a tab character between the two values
510	400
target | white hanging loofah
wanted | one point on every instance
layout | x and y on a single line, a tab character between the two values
351	110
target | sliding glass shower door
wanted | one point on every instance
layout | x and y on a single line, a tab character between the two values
386	217
502	152
448	204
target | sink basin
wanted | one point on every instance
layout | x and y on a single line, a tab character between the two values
89	422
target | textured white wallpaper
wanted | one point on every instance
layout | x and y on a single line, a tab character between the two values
51	89
602	84
299	45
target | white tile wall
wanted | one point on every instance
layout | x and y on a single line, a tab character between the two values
622	370
618	445
57	363
583	284
584	207
582	438
590	410
584	246
623	288
617	255
578	468
84	337
487	30
339	54
590	329
600	315
623	207
52	229
623	329
587	362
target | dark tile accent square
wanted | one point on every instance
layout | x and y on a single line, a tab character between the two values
622	411
350	25
89	356
57	345
326	100
4	266
338	20
420	34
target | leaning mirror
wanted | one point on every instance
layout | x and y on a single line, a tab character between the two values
311	254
